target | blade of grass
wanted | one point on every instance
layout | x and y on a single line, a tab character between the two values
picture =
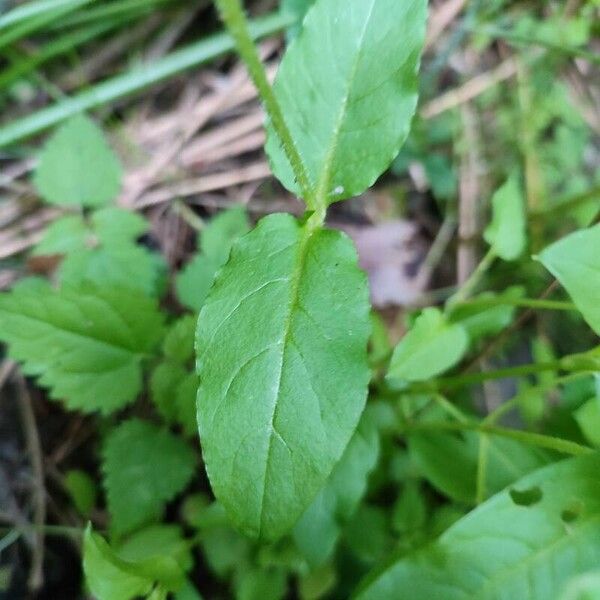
137	79
62	45
24	27
115	9
31	10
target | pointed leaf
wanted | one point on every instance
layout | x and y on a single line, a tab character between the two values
526	542
348	90
575	262
431	347
283	370
507	231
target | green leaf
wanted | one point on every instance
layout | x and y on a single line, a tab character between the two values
348	90
574	262
179	341
104	251
144	467
164	381
449	462
77	166
410	510
431	347
173	390
217	238
85	344
194	282
110	577
317	531
65	235
588	418
507	232
480	320
282	362
157	540
516	545
82	489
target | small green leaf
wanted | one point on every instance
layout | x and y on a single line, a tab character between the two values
410	510
348	90
193	283
317	531
82	489
164	381
154	541
431	347
507	232
77	166
103	251
173	390
574	262
217	238
195	280
110	577
63	236
179	341
282	362
588	418
85	344
480	320
144	467
504	549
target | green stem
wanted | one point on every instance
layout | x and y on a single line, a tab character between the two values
468	286
482	461
526	437
458	381
521	302
234	18
513	402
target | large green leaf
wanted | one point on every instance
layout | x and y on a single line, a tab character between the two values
348	90
525	543
144	467
575	262
85	344
283	370
317	532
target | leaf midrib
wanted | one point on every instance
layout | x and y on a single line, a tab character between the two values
295	279
324	180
